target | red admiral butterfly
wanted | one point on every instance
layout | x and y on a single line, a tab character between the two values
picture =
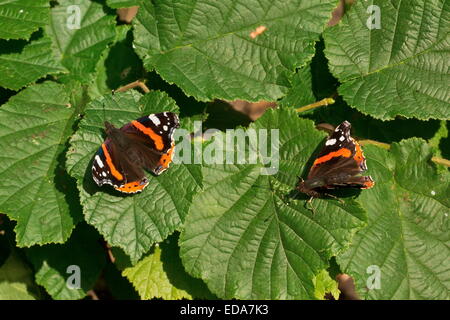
143	143
339	164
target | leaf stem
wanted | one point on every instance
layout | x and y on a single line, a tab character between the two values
323	102
377	143
137	83
383	145
442	161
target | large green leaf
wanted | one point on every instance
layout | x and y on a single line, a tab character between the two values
57	266
35	190
33	62
324	284
122	3
408	236
400	69
20	18
247	235
132	222
161	275
205	46
301	93
80	31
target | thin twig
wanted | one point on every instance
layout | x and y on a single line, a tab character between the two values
376	143
92	294
442	161
323	102
137	83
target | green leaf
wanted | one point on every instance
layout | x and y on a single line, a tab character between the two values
118	66
20	18
444	144
408	234
16	280
300	94
132	222
80	32
161	275
205	46
251	236
35	190
33	62
323	284
116	4
53	263
440	136
400	69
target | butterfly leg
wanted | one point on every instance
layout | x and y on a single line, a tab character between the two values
309	206
334	197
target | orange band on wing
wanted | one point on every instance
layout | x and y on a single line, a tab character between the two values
166	158
368	184
132	187
344	152
358	155
156	138
111	166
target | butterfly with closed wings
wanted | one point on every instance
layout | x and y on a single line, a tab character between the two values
340	164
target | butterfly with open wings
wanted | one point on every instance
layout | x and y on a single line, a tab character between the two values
143	143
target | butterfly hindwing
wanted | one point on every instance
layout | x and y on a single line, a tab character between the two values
109	167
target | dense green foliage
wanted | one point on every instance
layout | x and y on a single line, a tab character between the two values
224	230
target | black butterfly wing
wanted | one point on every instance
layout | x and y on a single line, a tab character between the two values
152	138
155	131
110	166
341	161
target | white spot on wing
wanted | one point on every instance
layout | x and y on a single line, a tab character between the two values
342	138
99	161
330	142
165	128
154	119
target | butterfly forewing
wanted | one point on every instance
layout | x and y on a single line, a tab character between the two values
155	130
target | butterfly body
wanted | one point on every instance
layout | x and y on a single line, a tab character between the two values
145	143
340	164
